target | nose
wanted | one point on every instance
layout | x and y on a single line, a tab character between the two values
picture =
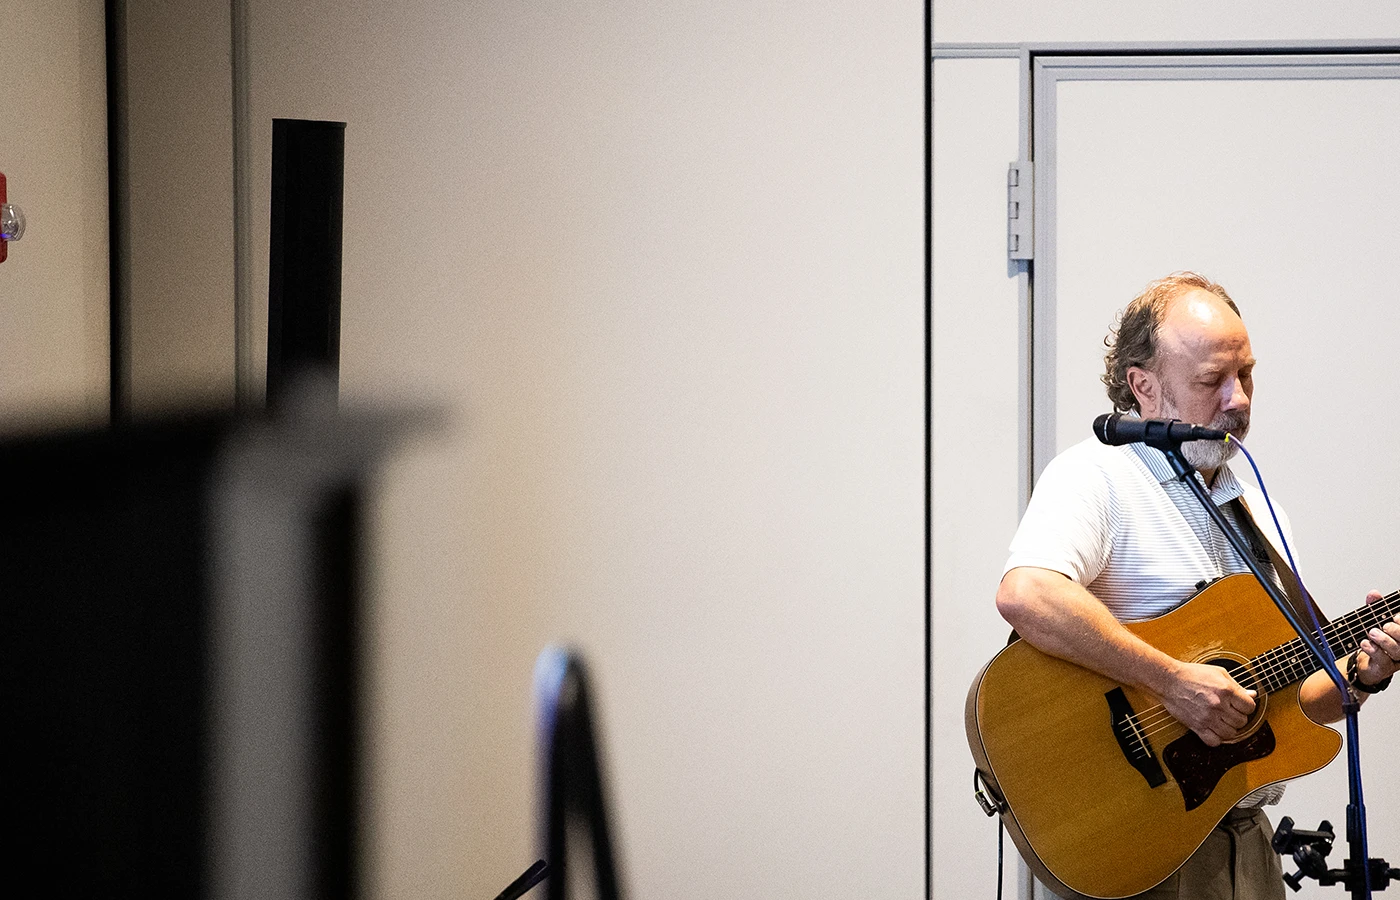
1239	396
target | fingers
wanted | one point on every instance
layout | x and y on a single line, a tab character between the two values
1381	646
1383	638
1233	717
1382	653
1214	706
1233	704
1380	650
1219	733
1232	713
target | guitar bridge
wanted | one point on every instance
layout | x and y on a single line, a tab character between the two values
1132	740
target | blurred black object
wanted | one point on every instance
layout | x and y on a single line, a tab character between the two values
572	795
304	260
179	653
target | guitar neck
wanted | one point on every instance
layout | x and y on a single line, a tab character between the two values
1293	661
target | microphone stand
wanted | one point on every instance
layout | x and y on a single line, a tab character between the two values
1358	868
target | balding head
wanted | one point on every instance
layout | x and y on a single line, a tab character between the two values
1134	340
1202	372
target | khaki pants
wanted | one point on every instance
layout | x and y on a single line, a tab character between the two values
1236	862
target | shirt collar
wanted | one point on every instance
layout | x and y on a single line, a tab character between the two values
1226	487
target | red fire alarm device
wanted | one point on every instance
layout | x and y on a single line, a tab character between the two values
4	242
11	221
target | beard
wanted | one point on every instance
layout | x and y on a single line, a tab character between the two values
1210	455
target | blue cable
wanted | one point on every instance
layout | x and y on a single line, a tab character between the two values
1312	609
1329	665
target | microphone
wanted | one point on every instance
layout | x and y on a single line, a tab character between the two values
1118	428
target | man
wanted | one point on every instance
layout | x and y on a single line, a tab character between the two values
1111	536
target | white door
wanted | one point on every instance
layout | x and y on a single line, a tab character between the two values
1275	176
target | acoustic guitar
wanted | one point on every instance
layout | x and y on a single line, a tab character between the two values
1102	791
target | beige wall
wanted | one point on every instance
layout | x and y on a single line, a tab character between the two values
54	289
53	151
180	317
663	267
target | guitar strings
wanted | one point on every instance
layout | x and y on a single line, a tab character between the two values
1352	628
1155	719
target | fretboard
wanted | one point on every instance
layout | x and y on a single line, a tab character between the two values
1293	661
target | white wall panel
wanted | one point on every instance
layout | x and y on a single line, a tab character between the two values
976	437
964	104
1019	21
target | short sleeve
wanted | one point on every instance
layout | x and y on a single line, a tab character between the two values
1067	527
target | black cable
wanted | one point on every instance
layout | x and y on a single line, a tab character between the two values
533	876
992	808
1001	842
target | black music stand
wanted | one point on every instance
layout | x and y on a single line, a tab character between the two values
571	781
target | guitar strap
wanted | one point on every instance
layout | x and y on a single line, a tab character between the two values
1257	543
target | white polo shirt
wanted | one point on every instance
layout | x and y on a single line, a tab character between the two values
1117	520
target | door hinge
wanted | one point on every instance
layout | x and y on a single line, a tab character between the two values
1020	189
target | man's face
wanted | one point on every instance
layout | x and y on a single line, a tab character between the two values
1204	373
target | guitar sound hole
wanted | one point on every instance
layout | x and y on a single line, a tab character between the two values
1245	678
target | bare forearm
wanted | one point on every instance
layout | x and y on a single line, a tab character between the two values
1061	618
1374	663
1319	698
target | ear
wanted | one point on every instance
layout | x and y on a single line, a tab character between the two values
1147	389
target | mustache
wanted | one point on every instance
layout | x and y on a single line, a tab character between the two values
1235	422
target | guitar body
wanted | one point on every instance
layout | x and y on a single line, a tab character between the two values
1089	823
